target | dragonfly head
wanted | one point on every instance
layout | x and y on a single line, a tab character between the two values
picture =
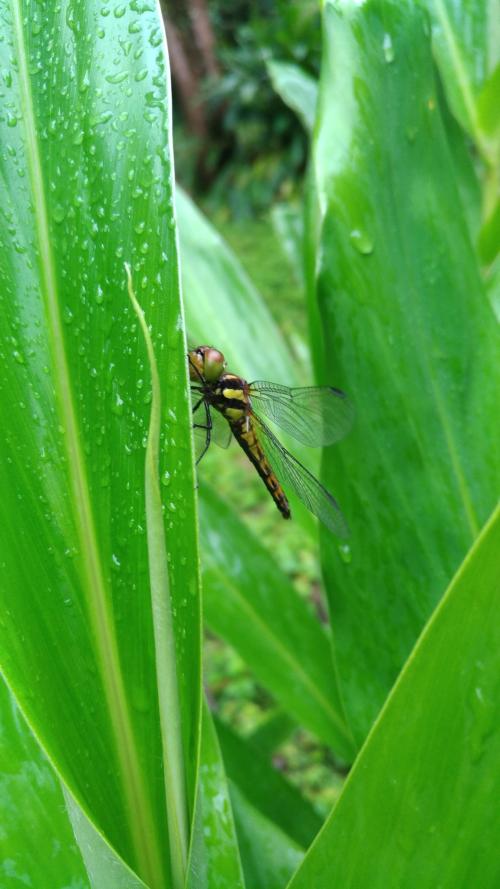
207	362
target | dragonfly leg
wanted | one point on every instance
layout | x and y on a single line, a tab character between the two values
197	405
207	427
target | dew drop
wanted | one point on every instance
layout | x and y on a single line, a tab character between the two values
67	315
165	479
117	404
388	48
119	77
345	553
362	242
59	213
85	82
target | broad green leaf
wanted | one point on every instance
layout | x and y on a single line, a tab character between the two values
466	40
37	846
297	89
214	858
420	807
408	333
266	788
250	603
85	187
269	856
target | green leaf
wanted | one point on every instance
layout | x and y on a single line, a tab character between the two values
32	812
297	89
272	731
40	821
223	307
409	334
250	603
269	856
214	858
86	187
266	788
465	40
425	787
104	867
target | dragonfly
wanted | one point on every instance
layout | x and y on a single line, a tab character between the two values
225	406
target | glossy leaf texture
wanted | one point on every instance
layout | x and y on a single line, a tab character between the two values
421	801
467	49
214	856
85	187
410	336
46	838
249	602
32	811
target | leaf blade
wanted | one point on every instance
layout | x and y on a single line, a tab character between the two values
436	738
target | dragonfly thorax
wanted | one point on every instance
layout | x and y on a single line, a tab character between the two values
230	396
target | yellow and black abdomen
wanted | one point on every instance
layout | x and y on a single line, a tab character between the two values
231	398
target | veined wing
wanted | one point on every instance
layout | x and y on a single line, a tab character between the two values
289	471
314	415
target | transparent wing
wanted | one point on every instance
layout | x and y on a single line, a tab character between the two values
315	415
290	472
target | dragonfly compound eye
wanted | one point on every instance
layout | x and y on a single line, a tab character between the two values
213	364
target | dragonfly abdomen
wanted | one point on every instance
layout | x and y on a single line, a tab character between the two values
231	398
246	437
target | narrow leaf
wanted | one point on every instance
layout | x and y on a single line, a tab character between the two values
214	861
266	788
297	89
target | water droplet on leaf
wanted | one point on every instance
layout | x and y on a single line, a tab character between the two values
362	242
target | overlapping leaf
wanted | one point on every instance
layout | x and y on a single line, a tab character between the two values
420	806
408	334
